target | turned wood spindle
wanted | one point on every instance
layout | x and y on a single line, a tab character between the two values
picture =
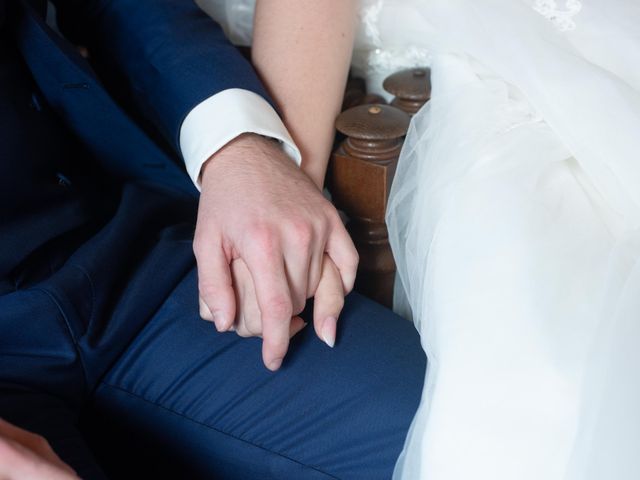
411	88
362	170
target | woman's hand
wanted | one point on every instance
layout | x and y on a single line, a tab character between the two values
328	303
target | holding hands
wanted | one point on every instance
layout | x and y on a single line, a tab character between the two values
266	241
266	238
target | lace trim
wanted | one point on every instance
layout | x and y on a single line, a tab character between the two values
369	16
562	19
393	59
378	59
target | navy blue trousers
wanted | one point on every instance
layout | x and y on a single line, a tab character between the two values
103	352
161	392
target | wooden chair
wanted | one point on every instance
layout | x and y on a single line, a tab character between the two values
363	166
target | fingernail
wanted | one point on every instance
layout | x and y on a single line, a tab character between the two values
329	331
205	313
221	321
274	364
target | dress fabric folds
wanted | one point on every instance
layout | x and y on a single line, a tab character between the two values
514	218
514	221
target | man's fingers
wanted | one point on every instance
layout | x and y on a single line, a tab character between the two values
217	299
274	299
344	255
329	300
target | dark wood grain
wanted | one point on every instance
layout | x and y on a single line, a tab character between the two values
411	88
361	173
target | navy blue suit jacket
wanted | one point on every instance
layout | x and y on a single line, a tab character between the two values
152	62
93	193
161	57
98	290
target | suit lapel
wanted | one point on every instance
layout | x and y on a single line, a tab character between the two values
76	94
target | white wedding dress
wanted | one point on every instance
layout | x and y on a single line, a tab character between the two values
515	222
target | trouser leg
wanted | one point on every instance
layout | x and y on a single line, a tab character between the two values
189	401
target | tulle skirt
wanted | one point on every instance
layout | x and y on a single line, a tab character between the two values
514	219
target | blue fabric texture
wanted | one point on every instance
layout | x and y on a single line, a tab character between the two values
341	413
101	346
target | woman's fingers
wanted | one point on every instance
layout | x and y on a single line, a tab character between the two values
329	300
344	255
297	325
297	264
248	322
217	302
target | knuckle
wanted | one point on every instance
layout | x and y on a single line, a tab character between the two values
249	326
214	290
254	329
301	233
280	307
206	287
198	244
263	237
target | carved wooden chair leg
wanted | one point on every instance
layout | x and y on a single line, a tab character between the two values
362	169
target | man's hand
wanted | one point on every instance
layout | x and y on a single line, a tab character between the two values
329	300
25	455
256	205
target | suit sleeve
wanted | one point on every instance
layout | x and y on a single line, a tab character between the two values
169	55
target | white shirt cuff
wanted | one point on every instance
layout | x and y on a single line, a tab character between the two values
221	118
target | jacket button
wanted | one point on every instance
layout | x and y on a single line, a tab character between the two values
63	180
35	102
